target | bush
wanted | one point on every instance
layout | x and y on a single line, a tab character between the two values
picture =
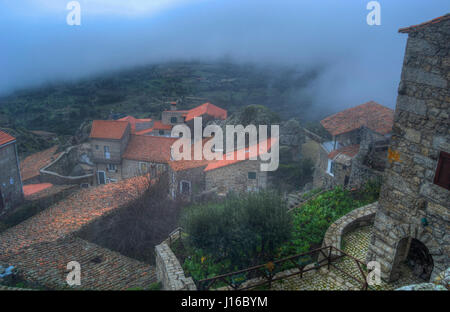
312	220
240	232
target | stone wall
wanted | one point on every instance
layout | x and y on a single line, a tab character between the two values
235	177
411	205
357	218
195	176
57	172
11	193
169	271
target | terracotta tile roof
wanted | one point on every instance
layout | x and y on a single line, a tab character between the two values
5	138
30	166
35	188
207	109
350	150
133	121
406	30
149	148
157	125
372	115
222	163
180	165
108	129
42	245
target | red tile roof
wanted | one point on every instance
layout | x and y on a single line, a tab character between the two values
108	129
5	138
222	163
133	121
406	30
350	151
157	125
35	188
207	109
30	166
372	115
149	148
180	165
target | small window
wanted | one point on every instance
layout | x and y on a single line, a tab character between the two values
330	167
107	153
442	176
161	132
97	147
252	175
112	167
173	119
185	187
143	167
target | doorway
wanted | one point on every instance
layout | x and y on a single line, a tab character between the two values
413	254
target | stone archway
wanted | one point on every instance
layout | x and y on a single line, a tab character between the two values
415	248
413	254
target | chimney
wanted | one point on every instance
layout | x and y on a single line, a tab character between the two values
173	106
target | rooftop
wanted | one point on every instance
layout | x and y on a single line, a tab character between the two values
133	121
149	148
406	30
249	152
108	129
31	189
208	109
30	166
372	115
5	138
157	125
350	151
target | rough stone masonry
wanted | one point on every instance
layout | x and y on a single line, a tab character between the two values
413	210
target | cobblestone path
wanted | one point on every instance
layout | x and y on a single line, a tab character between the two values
355	243
41	246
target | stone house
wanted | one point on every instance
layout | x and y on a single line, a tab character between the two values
129	146
11	192
190	178
109	140
412	224
358	147
206	111
146	154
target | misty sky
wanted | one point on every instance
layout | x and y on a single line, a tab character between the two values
362	62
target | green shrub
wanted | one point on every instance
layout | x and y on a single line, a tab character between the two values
312	220
237	233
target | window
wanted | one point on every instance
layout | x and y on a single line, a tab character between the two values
112	168
173	119
101	177
442	176
153	171
161	132
143	167
252	175
96	147
107	153
185	187
85	185
330	167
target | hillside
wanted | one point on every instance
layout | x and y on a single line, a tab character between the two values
144	92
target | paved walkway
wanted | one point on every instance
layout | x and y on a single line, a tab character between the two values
355	243
41	246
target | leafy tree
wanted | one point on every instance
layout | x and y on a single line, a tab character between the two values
245	229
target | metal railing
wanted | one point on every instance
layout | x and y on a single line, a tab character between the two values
325	256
